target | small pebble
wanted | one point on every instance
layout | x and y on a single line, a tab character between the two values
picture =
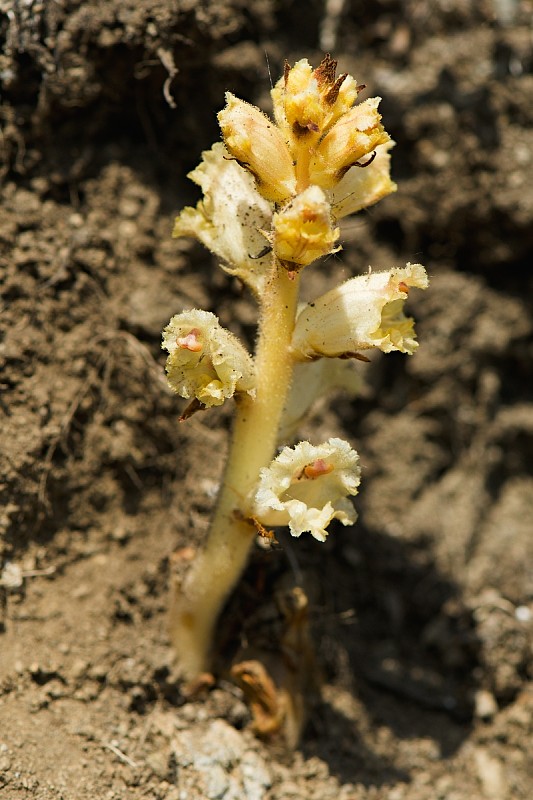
522	614
485	705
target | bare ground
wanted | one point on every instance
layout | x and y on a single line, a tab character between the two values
422	613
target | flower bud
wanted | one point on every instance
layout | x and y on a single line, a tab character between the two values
303	231
205	360
306	487
361	313
361	188
257	144
355	135
308	101
229	218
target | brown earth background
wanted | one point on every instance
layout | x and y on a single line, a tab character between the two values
421	614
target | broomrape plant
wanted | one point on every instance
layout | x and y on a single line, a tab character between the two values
273	193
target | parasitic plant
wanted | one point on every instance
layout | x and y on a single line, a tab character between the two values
273	193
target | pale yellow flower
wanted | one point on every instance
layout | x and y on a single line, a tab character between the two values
229	218
363	312
205	360
353	137
303	230
312	380
361	187
307	101
307	486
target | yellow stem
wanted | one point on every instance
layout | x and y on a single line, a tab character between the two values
303	162
199	598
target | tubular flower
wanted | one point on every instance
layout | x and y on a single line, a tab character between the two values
229	218
361	188
303	231
258	145
355	135
308	101
205	360
307	486
361	313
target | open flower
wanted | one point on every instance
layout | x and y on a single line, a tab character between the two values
354	136
307	486
361	313
205	360
229	218
303	230
361	187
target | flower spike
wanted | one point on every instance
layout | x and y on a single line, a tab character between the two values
273	193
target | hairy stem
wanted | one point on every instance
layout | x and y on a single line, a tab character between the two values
198	599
